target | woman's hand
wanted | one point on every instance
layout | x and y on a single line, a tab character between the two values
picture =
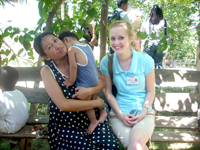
81	93
131	120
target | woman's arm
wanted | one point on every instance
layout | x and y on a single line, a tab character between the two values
83	92
54	91
150	84
111	99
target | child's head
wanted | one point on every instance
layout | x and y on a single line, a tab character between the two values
8	78
128	30
67	37
123	4
137	25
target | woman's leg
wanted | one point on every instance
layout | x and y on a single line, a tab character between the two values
141	133
138	139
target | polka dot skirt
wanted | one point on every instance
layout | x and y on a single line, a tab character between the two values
67	130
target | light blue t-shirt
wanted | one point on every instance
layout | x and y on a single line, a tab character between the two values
130	96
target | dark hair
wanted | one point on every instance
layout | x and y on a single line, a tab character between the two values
156	14
8	77
67	34
37	43
120	2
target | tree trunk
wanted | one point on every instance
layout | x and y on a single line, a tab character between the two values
63	10
198	56
103	31
52	14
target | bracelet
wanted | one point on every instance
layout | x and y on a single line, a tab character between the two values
146	107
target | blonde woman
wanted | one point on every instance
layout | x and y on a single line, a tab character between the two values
133	76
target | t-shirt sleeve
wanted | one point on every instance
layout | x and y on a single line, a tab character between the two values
104	66
148	64
124	16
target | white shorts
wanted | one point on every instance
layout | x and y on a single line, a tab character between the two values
122	131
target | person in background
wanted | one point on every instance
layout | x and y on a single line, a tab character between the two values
123	7
89	37
14	109
83	71
68	121
155	24
134	14
134	78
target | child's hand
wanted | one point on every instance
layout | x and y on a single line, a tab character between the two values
67	82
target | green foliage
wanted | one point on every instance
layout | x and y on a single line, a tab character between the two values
177	13
41	109
23	37
182	26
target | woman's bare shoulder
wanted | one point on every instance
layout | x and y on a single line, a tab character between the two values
45	70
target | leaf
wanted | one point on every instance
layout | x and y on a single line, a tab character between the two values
16	31
44	10
102	1
146	43
13	57
141	35
21	39
30	54
20	51
7	52
32	32
27	37
16	39
91	12
4	61
26	45
40	21
40	6
153	35
25	29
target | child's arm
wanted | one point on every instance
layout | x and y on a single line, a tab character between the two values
73	67
72	64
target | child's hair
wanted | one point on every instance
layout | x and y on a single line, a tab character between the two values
120	2
68	34
137	25
8	77
129	31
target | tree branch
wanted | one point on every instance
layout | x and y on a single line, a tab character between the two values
51	15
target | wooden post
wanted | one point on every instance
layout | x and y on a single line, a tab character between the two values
103	32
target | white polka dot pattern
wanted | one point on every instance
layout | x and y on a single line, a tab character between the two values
67	130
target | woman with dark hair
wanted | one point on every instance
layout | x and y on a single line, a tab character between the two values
68	121
155	24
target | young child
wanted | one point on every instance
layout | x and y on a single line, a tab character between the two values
13	104
83	71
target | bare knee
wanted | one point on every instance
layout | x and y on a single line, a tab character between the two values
138	140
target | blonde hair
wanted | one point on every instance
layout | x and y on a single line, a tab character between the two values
137	25
129	31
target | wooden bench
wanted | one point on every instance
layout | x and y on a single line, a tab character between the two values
180	103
